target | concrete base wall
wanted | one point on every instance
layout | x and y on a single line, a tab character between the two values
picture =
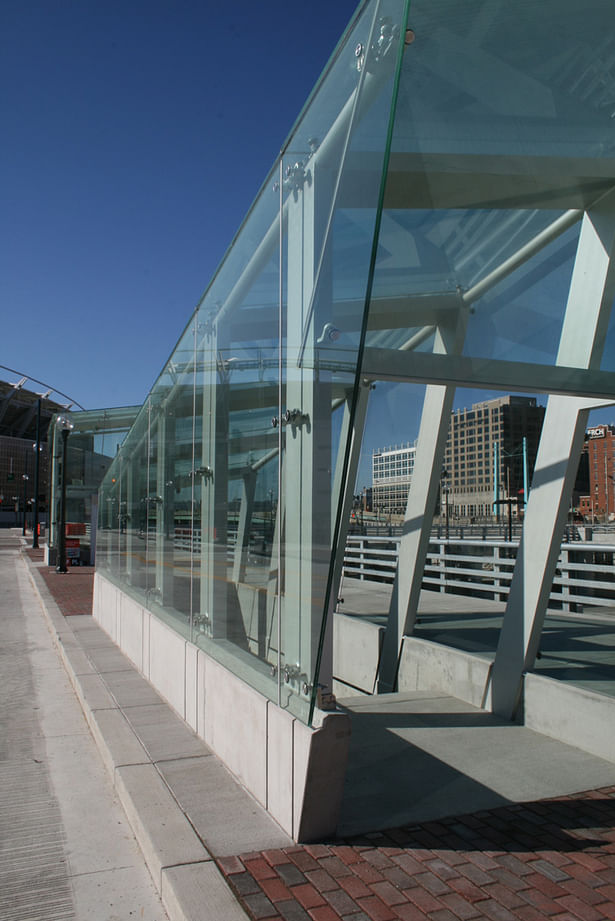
427	666
296	772
357	645
571	714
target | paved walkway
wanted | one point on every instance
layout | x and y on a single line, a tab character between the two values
66	849
553	858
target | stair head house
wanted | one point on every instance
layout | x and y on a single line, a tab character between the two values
442	216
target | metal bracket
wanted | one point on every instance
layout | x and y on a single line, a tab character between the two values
201	622
292	673
387	36
205	472
296	177
291	417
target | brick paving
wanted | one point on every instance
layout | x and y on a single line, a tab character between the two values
72	591
553	859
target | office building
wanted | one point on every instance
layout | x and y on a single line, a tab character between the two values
392	470
599	505
490	455
489	459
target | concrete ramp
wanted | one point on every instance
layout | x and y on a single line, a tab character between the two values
421	755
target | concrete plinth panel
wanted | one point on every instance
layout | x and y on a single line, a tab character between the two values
197	892
296	772
162	830
319	769
201	666
280	765
106	598
236	727
147	619
571	714
356	651
167	663
191	690
427	666
130	636
96	589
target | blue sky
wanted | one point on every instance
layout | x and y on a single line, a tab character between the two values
135	136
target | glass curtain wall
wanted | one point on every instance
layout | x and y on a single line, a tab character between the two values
92	445
492	126
503	143
226	499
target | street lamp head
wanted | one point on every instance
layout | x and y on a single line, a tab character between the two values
64	424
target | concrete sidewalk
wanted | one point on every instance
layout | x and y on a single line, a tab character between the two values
200	831
184	807
66	848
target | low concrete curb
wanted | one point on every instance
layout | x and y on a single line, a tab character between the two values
189	882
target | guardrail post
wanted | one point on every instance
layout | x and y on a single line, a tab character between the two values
565	575
497	575
442	565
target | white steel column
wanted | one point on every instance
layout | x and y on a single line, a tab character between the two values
343	485
211	487
422	499
165	430
126	471
246	510
590	300
306	461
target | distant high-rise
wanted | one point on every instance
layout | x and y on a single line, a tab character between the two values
392	470
490	454
599	505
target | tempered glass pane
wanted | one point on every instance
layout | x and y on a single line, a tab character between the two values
134	474
503	134
331	220
235	578
170	478
234	491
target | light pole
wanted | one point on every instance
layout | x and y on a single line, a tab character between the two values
37	448
25	479
65	427
444	490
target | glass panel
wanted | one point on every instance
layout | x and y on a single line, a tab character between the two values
220	453
237	447
170	488
497	149
233	493
334	177
134	453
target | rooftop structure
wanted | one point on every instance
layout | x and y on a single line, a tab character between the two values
27	407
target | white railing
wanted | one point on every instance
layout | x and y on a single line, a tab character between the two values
585	572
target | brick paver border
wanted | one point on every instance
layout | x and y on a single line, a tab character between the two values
551	859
